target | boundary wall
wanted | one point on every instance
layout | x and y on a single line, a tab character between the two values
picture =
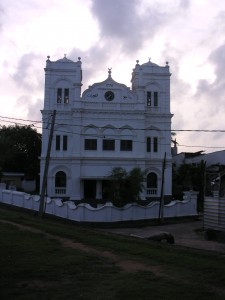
103	213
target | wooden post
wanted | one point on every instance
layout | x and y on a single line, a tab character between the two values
161	205
44	181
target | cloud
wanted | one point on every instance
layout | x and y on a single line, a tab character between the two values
117	18
213	92
29	79
185	4
28	73
180	90
217	57
94	61
30	108
1	17
210	100
114	16
123	25
34	109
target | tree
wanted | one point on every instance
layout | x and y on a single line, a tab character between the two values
189	177
20	148
5	154
116	188
135	184
125	187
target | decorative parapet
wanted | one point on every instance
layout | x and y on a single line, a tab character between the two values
103	213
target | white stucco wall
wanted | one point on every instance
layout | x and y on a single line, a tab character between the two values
103	213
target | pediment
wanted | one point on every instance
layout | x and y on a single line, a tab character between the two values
109	90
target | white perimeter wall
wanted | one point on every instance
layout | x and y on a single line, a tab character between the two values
103	213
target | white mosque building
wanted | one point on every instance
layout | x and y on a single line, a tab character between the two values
109	125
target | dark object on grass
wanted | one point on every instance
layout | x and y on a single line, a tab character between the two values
162	237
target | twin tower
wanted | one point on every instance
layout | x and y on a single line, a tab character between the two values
107	126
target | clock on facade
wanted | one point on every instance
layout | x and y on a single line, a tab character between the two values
109	95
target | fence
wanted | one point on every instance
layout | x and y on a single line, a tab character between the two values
103	213
214	213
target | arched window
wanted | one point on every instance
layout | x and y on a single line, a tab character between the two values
152	99
152	184
60	183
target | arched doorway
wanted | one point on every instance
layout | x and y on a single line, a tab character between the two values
60	183
152	184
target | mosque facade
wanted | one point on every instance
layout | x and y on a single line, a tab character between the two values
107	126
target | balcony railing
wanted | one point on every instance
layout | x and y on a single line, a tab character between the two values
151	191
60	191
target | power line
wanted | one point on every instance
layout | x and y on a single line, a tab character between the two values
25	120
210	147
103	127
8	120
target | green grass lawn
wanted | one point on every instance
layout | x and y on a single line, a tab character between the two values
34	265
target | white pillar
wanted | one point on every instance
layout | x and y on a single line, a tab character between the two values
99	189
77	189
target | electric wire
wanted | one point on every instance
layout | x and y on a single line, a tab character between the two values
103	127
33	123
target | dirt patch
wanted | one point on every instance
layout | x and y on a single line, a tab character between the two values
134	266
125	265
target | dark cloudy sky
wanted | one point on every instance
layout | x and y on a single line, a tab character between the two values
190	34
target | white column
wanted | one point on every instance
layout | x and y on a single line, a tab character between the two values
99	189
77	189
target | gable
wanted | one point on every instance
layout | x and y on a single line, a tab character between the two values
109	91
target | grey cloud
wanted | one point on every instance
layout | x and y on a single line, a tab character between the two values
1	17
23	100
217	57
210	97
219	21
123	26
185	4
29	75
214	90
180	92
93	61
124	30
179	88
115	17
34	110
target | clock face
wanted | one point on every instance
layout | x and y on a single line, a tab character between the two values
109	95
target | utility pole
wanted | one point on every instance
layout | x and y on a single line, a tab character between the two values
44	181
161	205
